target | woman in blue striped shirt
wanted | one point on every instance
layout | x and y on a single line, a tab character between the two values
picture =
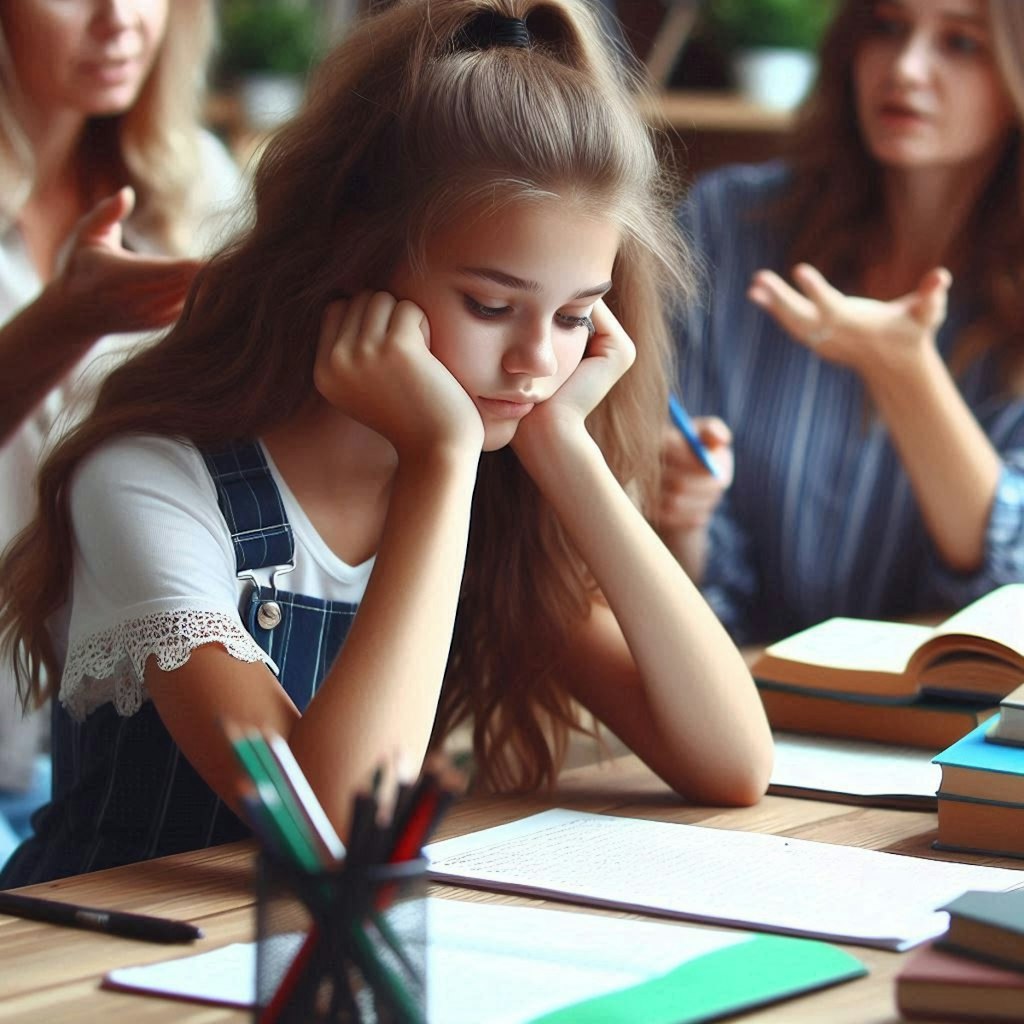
878	439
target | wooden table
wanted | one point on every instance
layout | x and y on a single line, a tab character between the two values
53	974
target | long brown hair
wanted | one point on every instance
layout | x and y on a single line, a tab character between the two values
402	128
153	146
836	198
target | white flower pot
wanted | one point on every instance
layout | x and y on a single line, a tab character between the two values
777	78
270	99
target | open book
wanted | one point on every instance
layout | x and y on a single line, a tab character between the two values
976	654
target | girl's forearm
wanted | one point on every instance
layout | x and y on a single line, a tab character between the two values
700	692
380	697
952	466
690	547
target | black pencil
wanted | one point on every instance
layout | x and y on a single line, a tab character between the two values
113	922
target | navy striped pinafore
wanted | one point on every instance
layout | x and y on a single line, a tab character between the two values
123	792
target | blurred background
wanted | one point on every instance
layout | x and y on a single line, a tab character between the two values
727	73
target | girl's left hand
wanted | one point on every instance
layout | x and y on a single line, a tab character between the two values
609	354
864	334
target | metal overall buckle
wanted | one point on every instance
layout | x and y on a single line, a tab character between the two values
268	614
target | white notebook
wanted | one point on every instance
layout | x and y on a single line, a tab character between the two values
747	879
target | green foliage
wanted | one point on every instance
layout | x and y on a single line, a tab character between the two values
267	35
745	24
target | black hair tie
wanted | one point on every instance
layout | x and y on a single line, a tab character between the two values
488	29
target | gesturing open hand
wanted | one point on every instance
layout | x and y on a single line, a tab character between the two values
857	332
103	288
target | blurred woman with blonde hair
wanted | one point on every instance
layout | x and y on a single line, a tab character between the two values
108	189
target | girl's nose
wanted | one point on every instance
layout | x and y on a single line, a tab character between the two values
531	352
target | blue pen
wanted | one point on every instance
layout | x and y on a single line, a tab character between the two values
681	418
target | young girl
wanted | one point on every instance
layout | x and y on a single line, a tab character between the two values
403	391
877	402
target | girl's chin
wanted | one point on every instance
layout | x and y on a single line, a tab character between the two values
499	436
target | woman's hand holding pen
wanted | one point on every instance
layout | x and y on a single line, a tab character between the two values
689	493
374	364
867	335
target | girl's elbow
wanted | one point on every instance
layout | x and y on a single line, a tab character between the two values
745	782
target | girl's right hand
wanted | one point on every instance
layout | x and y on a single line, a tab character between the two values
374	364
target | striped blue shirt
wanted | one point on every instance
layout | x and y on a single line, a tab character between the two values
820	519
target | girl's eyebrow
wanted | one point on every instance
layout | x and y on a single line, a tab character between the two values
521	284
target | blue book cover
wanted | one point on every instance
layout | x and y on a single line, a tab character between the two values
975	751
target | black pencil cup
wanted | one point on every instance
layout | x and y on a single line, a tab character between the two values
347	945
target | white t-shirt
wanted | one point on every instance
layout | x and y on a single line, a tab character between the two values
154	571
20	284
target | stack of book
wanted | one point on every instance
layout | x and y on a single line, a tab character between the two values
898	682
975	971
981	795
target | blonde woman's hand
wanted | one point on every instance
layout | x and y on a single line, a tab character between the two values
866	335
689	493
102	288
374	364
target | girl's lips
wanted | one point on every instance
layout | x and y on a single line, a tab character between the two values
501	408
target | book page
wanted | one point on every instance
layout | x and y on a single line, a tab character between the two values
721	876
853	767
998	616
864	645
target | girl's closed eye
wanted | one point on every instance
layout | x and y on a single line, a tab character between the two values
571	321
481	310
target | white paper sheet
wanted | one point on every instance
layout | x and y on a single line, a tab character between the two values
487	962
767	882
855	768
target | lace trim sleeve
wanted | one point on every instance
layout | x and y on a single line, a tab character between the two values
110	666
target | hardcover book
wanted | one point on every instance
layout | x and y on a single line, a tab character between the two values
1009	727
980	826
930	723
938	985
988	926
976	654
975	769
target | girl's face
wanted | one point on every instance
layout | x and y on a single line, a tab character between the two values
927	88
90	57
507	295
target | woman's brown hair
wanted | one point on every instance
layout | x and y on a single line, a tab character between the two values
405	127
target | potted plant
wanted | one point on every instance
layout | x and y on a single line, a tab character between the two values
267	47
773	44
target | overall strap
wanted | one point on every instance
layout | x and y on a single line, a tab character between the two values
251	505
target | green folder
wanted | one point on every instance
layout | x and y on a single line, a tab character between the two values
765	969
